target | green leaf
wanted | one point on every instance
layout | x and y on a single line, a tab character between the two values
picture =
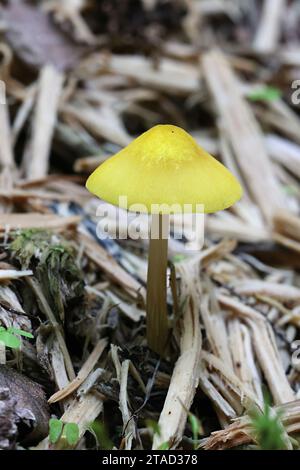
290	190
268	429
178	258
16	331
55	429
164	446
150	423
267	93
71	431
9	340
196	426
99	431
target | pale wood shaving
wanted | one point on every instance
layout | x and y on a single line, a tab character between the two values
85	370
7	165
8	274
271	289
285	152
128	423
34	220
51	318
287	224
48	93
59	370
215	396
186	372
170	75
269	29
100	257
243	133
265	349
287	242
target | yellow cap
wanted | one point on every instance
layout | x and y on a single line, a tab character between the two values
165	166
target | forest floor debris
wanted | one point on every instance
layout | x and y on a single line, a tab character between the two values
99	75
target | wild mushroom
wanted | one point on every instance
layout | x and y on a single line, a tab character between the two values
164	169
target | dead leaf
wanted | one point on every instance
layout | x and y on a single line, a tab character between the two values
49	46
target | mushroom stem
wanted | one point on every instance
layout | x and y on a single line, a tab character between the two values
156	305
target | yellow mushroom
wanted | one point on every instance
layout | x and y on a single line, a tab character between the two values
163	171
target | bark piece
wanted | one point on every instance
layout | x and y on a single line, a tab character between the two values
25	400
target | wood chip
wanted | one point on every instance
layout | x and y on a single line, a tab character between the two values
287	224
8	274
168	75
34	220
185	377
269	29
49	90
243	132
271	289
128	423
85	370
7	164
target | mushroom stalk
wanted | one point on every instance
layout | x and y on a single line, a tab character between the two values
156	305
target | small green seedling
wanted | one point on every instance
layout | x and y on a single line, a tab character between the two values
71	432
9	338
59	431
267	93
268	428
55	430
99	431
164	446
197	429
178	258
154	426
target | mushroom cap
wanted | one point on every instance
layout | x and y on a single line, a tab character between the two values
165	166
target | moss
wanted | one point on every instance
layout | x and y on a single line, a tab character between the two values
53	261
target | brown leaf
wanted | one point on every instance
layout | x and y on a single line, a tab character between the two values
36	39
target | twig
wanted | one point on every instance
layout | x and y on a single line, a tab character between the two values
7	165
265	349
269	28
128	423
48	94
51	318
35	220
114	271
82	374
